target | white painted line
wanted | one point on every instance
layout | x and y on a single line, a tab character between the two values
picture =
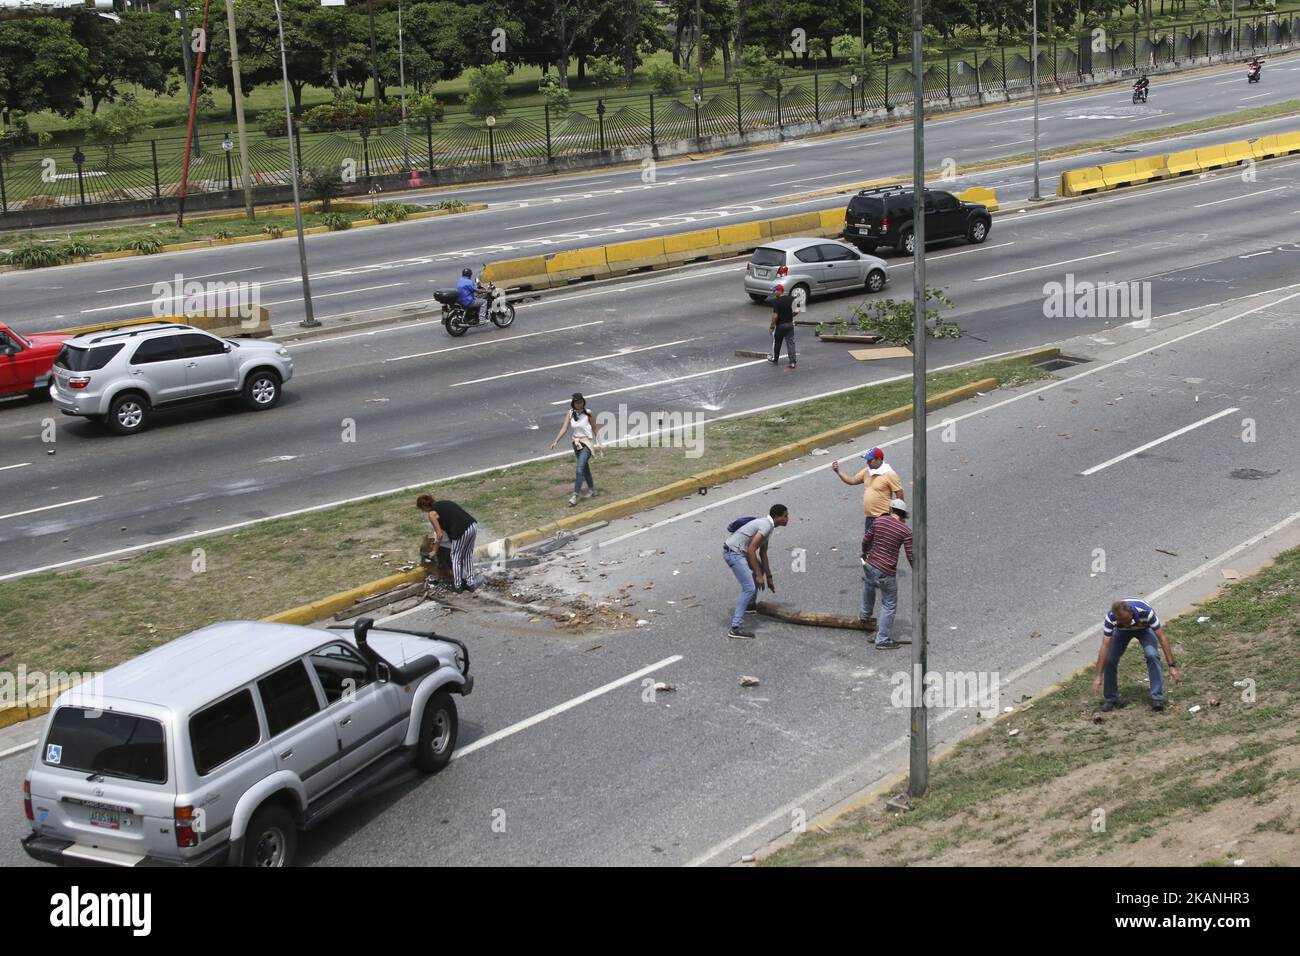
19	749
581	184
669	381
1239	198
61	504
1002	145
1256	96
326	295
23	464
552	222
748	162
595	358
1049	265
494	341
809	179
939	257
208	275
536	719
1159	441
1252	255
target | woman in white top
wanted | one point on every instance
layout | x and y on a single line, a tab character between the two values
581	424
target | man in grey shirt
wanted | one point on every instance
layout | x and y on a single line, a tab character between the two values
745	552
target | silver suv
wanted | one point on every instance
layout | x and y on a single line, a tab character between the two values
220	746
120	376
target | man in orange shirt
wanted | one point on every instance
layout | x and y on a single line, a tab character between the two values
882	485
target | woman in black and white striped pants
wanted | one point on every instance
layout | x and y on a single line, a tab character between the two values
458	526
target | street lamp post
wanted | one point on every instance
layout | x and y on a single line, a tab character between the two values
236	84
1033	72
401	77
374	65
309	320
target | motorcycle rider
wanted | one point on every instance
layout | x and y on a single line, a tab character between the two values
472	295
1254	67
1142	86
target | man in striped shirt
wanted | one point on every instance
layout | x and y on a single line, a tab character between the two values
1128	619
880	547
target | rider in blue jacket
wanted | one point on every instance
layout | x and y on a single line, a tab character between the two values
468	291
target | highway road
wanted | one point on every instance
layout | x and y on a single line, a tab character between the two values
428	407
564	759
377	271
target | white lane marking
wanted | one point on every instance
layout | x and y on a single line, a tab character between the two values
1261	192
811	797
580	184
1252	255
494	341
561	708
809	179
23	464
909	263
1016	142
552	222
1049	265
584	361
1159	441
669	381
19	749
748	162
326	295
207	275
61	504
1255	97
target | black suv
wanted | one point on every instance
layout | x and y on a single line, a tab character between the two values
883	217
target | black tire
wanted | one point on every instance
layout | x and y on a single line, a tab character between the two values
271	839
455	327
978	230
757	297
504	321
40	393
867	247
438	727
807	295
906	242
128	413
875	280
261	390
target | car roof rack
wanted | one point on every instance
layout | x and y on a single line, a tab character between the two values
103	335
886	190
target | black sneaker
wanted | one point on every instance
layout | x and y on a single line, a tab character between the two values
740	634
1107	706
888	646
1157	705
752	609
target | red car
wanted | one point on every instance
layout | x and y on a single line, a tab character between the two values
26	361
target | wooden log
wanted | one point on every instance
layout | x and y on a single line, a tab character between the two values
853	339
814	618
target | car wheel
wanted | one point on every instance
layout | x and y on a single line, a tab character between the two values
262	390
875	280
271	838
907	242
128	414
800	294
438	727
978	231
757	297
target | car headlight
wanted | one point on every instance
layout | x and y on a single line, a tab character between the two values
282	351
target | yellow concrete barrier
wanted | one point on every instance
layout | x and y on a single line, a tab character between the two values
742	237
1265	147
576	264
801	224
1118	174
1288	143
980	194
1076	182
526	273
1179	164
225	322
1150	167
689	246
833	220
1237	152
625	257
1212	157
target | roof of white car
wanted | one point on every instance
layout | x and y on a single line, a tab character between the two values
799	243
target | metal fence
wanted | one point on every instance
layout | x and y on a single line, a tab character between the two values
93	174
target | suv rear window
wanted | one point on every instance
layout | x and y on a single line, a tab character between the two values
114	744
76	359
768	257
227	728
866	206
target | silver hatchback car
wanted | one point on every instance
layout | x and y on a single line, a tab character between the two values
220	746
817	266
120	376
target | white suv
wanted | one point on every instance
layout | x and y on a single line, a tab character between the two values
120	376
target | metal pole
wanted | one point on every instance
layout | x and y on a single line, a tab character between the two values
401	71
653	146
1033	70
699	49
309	320
740	121
191	131
4	199
157	186
182	14
546	113
374	66
244	159
919	772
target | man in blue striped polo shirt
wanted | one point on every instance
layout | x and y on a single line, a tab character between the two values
1128	619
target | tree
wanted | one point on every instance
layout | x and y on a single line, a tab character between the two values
141	51
42	66
487	90
113	126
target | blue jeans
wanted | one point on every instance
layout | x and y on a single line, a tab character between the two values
583	454
739	565
1150	648
888	585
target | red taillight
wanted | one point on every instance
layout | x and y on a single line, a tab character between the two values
749	268
79	381
884	223
27	799
186	835
782	271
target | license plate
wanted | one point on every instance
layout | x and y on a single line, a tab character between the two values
106	819
763	273
864	228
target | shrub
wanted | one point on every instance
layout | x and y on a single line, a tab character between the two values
223	234
275	232
390	212
664	78
18	135
75	249
556	96
893	320
487	90
453	205
33	255
114	125
271	122
146	245
336	221
757	65
323	183
426	106
604	70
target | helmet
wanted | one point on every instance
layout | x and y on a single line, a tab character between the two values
467	272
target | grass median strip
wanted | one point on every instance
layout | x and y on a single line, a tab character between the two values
88	619
1129	788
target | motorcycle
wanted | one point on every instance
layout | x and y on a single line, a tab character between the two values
1253	71
1140	93
457	322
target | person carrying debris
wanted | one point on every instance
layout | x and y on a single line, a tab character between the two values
745	552
784	308
1126	620
885	535
458	526
581	424
882	485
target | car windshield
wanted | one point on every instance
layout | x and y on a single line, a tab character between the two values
768	257
18	339
76	359
108	743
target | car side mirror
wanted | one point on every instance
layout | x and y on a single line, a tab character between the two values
228	348
8	350
382	673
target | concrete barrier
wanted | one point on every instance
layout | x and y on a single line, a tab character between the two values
227	323
576	264
625	257
980	194
1237	152
742	237
691	246
1182	163
801	224
1212	157
529	273
1077	182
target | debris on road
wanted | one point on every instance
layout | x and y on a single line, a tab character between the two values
666	688
1202	619
1194	710
641	622
749	858
815	618
746	681
1172	554
1012	733
1035	633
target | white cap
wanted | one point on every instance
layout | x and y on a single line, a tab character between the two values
898	504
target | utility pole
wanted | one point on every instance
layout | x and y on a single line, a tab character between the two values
374	65
401	70
919	770
182	14
245	171
1033	72
699	47
309	320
